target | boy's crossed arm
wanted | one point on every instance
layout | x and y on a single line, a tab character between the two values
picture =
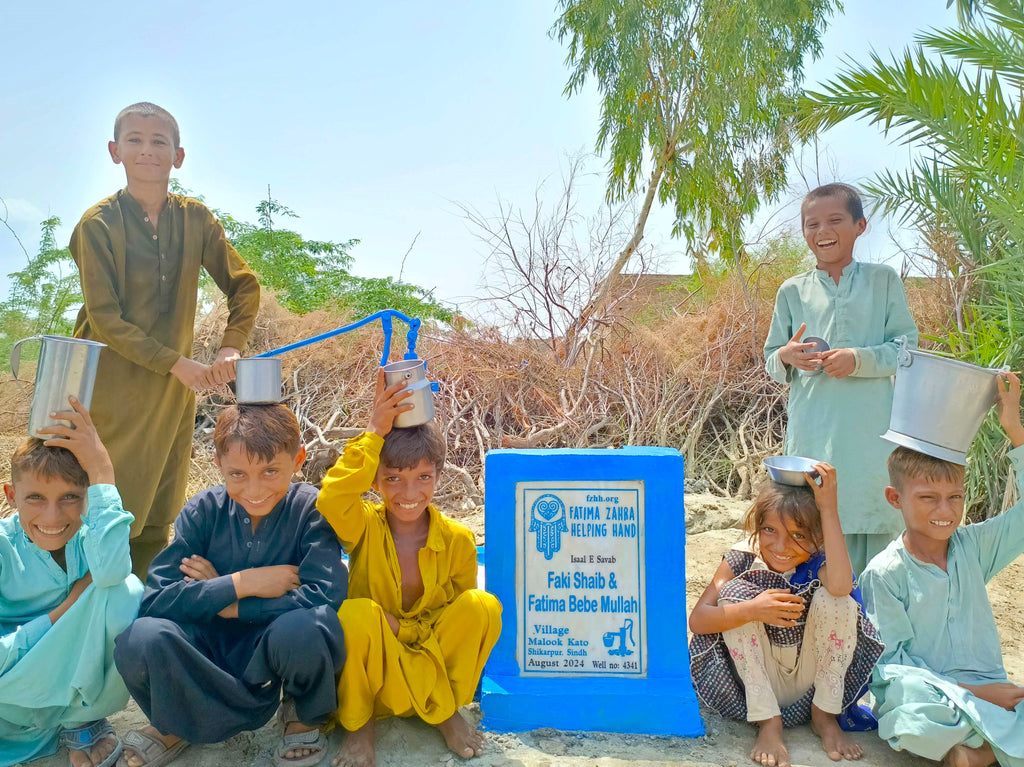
270	582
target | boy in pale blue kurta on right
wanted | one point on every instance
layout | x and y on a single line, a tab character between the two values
940	686
840	400
66	590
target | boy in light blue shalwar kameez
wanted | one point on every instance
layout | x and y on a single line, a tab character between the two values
940	685
66	591
840	401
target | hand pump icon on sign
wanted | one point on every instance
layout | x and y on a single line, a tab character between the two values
611	636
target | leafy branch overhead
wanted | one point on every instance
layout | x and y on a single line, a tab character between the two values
696	97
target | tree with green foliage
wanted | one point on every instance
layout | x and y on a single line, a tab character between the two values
696	97
313	274
43	296
955	97
305	274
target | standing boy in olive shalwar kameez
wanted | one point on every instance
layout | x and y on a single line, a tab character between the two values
139	254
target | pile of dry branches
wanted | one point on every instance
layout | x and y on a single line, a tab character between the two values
694	382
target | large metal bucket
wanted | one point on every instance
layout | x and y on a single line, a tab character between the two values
422	399
938	404
258	381
67	367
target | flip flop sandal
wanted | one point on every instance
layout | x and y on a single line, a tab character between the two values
313	739
88	735
153	752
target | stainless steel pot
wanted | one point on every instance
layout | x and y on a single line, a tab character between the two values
415	373
67	367
939	403
258	381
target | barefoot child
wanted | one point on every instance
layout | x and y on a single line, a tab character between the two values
242	604
860	309
417	630
940	686
757	653
66	590
139	255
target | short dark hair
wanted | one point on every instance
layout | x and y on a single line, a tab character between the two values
845	192
147	109
33	457
264	430
905	463
789	502
405	448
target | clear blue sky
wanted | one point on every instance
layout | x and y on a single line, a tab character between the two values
370	120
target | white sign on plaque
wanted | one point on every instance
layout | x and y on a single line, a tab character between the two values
580	579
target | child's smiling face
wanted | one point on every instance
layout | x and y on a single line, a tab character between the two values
932	508
254	483
407	492
830	230
49	508
145	146
782	542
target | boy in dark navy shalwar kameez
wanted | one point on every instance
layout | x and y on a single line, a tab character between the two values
241	603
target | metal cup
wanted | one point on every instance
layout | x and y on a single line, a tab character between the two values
67	367
820	345
258	381
422	399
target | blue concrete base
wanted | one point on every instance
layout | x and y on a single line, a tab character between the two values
659	707
662	701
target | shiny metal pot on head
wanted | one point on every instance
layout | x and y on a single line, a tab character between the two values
938	404
258	381
67	367
414	372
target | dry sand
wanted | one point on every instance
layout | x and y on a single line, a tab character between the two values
410	743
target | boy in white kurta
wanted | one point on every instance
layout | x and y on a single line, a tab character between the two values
66	590
940	685
840	401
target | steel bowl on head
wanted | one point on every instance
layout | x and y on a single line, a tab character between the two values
789	469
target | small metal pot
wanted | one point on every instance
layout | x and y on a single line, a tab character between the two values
258	381
67	366
415	373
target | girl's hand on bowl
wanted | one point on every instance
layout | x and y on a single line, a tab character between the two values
826	492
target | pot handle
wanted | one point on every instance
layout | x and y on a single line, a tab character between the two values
15	358
904	358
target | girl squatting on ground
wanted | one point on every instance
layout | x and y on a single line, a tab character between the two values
757	653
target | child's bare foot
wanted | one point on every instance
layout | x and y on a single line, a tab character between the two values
836	743
359	748
962	756
95	755
769	750
152	745
462	739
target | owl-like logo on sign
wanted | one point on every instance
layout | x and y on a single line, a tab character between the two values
547	519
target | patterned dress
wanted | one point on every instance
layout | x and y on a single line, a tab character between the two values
714	674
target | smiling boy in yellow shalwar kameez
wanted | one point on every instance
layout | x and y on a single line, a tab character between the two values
417	630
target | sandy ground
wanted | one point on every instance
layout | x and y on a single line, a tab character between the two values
410	743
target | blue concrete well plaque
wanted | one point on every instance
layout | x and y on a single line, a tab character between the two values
585	551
